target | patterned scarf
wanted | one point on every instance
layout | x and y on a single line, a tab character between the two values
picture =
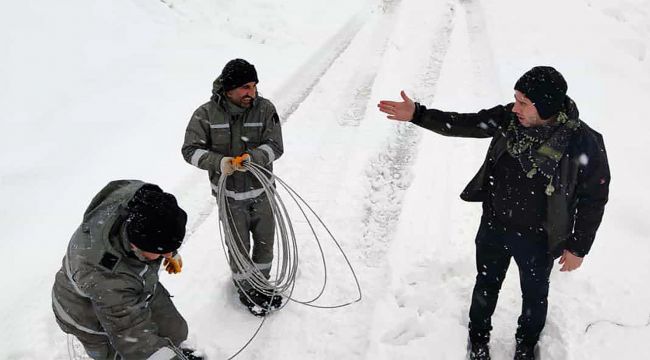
540	149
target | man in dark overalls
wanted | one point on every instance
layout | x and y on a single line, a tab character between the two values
238	122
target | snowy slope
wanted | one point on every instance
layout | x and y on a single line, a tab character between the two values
93	91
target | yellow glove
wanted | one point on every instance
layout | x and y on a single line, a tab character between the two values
173	264
239	161
226	166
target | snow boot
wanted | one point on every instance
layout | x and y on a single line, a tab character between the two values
190	355
259	304
478	350
275	301
525	351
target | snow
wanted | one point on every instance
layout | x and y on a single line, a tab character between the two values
101	90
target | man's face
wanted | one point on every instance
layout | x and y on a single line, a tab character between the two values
148	256
526	111
244	95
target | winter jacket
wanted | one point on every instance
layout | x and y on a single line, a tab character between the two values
213	132
102	288
575	209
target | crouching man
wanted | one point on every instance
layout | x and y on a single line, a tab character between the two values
107	292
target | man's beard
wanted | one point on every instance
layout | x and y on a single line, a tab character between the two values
246	104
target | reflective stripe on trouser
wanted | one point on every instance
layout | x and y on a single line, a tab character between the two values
252	216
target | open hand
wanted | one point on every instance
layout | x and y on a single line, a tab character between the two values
402	111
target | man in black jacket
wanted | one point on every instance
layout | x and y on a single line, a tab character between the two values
544	185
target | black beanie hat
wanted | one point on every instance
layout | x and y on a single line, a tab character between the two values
236	73
545	87
155	222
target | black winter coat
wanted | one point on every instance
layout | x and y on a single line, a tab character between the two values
581	181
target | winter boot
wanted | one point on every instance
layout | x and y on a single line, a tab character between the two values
259	304
189	354
251	300
478	350
526	351
273	302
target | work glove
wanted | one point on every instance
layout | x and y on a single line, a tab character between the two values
189	354
226	166
173	264
239	162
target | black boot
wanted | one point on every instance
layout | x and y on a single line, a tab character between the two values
526	351
259	304
189	354
477	344
478	350
251	300
270	302
274	301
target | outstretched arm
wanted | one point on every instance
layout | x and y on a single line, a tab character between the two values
482	124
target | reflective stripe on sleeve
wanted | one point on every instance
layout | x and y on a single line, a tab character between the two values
69	320
163	354
219	126
197	156
68	274
257	124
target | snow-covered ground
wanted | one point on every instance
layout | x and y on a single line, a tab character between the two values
92	91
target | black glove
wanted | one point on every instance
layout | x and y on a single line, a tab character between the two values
189	354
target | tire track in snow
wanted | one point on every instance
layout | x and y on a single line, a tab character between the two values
363	81
483	66
389	178
429	283
299	86
388	174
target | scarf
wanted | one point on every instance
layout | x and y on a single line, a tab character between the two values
539	149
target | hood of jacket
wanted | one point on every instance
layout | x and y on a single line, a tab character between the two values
219	96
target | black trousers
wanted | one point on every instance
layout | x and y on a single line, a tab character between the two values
495	245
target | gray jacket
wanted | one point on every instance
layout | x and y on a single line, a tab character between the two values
102	288
214	132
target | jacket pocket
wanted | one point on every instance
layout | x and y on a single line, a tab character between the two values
252	133
220	137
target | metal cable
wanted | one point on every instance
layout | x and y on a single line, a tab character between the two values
286	260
